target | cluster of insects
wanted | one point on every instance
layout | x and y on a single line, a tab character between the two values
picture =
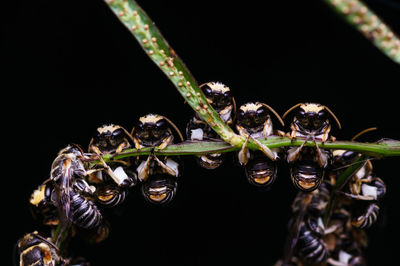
81	184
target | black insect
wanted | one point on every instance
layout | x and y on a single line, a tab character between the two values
154	131
82	210
34	249
254	122
110	139
42	204
65	170
308	164
220	98
160	188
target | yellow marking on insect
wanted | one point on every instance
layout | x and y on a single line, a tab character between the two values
38	195
306	185
134	27
262	180
107	128
150	118
250	107
154	39
312	107
157	197
218	86
171	73
105	197
146	27
144	41
135	13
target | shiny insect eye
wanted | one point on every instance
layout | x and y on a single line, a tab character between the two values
207	90
140	125
241	114
161	124
301	113
261	111
322	115
118	133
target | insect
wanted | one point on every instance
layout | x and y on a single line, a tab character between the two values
42	204
311	121
34	249
364	187
83	212
160	188
67	172
110	195
254	122
110	139
310	245
306	230
154	130
219	96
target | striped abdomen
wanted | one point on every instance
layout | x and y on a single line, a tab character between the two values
368	218
311	247
83	212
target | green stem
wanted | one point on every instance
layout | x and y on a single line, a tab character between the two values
340	183
160	52
60	237
357	14
379	149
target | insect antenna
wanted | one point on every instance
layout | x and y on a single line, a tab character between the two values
363	132
275	113
334	117
291	109
176	128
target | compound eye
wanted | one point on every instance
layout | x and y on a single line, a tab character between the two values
117	134
97	136
207	90
161	124
322	115
301	114
140	126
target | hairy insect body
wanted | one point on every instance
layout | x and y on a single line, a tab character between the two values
158	175
82	210
34	249
220	98
363	191
108	139
114	181
311	121
254	122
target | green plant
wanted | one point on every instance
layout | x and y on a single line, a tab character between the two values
151	40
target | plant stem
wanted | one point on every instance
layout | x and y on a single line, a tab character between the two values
160	52
379	149
340	183
357	14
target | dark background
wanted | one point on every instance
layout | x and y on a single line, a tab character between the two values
71	67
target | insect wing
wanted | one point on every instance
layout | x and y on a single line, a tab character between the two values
294	228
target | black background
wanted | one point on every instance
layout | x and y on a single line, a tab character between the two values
71	67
